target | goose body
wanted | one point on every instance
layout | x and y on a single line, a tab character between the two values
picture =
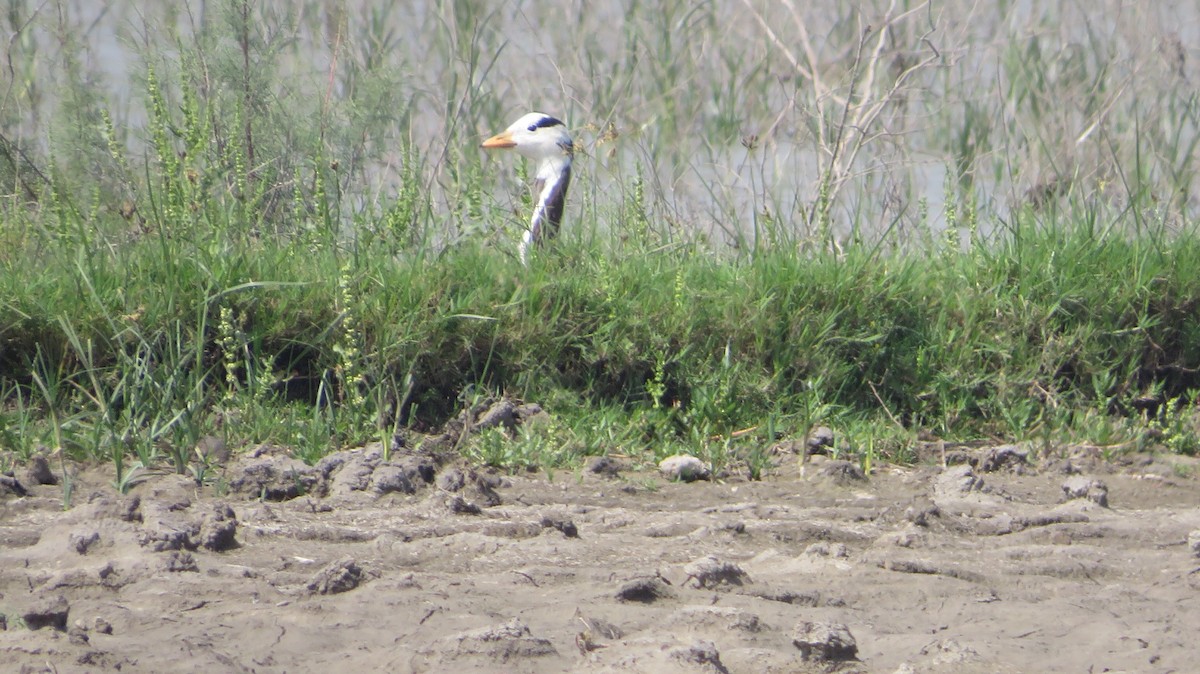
545	140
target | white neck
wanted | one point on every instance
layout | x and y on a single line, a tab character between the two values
550	172
553	178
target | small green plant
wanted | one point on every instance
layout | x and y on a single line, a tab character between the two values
129	478
758	461
1177	425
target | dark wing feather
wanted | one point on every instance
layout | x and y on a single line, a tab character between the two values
550	212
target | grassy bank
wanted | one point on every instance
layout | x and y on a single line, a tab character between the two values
296	258
1055	333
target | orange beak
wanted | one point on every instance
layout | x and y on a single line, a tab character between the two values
500	140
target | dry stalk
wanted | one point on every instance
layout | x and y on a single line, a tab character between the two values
858	112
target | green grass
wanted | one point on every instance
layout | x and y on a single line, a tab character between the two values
318	257
633	350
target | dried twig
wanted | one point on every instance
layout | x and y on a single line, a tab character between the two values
859	111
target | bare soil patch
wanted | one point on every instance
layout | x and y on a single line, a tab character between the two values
423	565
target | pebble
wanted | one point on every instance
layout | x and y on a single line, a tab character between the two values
684	468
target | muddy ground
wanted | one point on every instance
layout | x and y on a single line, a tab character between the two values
423	564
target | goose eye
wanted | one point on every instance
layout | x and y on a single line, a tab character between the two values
533	127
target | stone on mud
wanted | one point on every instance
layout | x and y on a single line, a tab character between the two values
725	618
177	561
1193	541
451	479
461	506
684	468
39	471
710	571
169	532
1003	456
482	487
700	652
340	576
510	641
349	471
9	485
49	611
501	413
268	474
957	480
604	465
562	524
389	478
218	528
824	642
364	470
645	590
921	513
1079	486
81	541
819	440
841	472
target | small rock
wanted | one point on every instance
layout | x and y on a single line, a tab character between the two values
82	541
178	561
10	485
165	530
700	652
502	413
566	526
78	635
218	529
1003	456
603	465
482	487
710	572
1193	541
819	440
824	642
958	480
213	449
684	468
332	463
841	472
388	478
340	576
268	475
398	443
597	626
920	513
728	618
349	471
531	413
508	642
901	539
461	506
644	590
39	471
451	479
826	549
811	598
127	509
48	612
1078	486
102	626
